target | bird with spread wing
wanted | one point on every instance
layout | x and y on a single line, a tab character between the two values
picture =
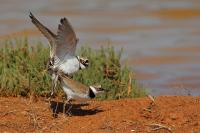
62	50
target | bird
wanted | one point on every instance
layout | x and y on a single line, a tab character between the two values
62	50
77	91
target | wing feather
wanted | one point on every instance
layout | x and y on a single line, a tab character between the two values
46	32
66	40
75	86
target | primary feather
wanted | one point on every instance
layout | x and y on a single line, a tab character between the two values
62	44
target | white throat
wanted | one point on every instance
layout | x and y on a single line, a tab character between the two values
80	64
93	89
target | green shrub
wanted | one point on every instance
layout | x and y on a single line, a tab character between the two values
22	71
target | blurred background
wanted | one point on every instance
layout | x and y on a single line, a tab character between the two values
160	38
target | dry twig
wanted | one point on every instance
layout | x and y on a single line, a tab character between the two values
130	84
159	126
151	98
147	109
9	112
33	118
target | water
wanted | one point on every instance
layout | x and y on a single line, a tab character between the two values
160	38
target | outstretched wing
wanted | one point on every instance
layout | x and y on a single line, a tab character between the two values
46	32
66	40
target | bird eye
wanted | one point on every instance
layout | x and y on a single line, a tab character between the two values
51	63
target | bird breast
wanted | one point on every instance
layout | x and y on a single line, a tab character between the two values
70	66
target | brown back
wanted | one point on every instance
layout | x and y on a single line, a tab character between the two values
74	85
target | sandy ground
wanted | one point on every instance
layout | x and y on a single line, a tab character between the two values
167	114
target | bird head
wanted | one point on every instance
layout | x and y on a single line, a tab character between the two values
84	62
96	89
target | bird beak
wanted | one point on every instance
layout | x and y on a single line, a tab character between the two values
86	63
99	88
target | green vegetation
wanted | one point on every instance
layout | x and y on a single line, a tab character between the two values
22	71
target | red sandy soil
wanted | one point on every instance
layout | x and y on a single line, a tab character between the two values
178	114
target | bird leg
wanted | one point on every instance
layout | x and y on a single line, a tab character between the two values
69	108
54	84
64	105
55	111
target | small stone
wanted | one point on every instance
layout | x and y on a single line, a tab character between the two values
173	116
196	123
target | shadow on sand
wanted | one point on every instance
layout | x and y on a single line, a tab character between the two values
57	107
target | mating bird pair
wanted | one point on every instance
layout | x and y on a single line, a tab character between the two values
63	62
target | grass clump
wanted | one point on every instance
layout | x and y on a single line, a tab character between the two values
22	71
105	69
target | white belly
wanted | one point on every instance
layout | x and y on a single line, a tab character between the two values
70	66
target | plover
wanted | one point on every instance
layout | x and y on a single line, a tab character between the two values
62	49
77	91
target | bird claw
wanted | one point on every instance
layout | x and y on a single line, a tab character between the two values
49	102
52	94
69	113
